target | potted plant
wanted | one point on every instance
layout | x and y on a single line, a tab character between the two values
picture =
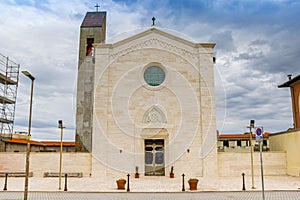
136	175
193	182
121	183
172	172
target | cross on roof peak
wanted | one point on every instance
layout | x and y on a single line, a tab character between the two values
97	7
153	21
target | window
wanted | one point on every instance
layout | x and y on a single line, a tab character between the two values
265	143
225	143
154	75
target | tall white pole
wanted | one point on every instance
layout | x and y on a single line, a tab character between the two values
251	152
262	171
28	135
60	125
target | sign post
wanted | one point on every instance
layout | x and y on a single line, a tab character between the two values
259	139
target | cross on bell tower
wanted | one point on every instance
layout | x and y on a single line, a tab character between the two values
97	7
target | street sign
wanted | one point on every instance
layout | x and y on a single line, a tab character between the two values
259	138
259	135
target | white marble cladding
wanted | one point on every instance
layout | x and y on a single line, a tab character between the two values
185	101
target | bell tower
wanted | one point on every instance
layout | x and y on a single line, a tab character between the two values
92	30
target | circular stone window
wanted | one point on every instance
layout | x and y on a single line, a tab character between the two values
154	76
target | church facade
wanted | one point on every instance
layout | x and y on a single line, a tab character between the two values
147	103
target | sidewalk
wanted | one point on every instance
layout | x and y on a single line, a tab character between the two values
152	184
246	195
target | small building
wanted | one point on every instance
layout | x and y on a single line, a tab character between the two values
18	143
288	141
240	142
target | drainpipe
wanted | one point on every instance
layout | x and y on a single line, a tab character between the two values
293	107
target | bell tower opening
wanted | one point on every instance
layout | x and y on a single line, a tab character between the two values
90	47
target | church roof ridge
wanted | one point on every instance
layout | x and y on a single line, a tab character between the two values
154	29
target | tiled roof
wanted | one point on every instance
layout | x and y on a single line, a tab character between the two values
56	143
290	82
40	143
240	136
93	19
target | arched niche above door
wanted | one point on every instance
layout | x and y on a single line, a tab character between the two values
154	115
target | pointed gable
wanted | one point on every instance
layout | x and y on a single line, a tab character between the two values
157	32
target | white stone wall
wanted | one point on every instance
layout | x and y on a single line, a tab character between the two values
289	143
229	164
46	162
234	164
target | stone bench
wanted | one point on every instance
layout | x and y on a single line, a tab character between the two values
72	174
15	174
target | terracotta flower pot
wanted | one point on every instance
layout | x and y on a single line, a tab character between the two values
121	185
136	175
193	185
171	175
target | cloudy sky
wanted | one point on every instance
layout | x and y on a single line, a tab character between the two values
257	46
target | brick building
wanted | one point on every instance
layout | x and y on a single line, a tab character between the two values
240	142
18	143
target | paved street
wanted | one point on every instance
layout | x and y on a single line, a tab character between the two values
254	195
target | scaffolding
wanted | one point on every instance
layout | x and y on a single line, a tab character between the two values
9	77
